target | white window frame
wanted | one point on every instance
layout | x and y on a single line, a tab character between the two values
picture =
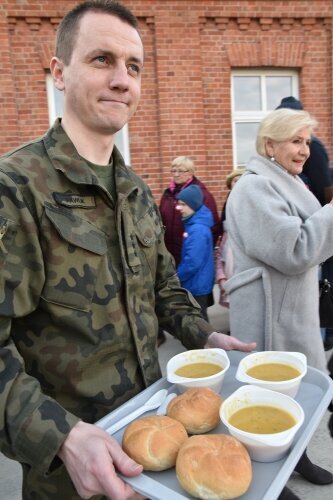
256	116
50	91
122	136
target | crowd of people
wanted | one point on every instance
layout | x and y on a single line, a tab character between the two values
91	270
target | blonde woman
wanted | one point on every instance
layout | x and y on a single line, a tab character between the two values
279	234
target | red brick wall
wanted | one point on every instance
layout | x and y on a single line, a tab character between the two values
190	48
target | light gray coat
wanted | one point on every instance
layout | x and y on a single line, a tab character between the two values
279	233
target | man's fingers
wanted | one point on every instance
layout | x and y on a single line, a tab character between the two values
122	462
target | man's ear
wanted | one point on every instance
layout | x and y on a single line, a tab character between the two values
57	72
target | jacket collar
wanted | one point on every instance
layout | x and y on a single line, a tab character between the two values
293	187
65	158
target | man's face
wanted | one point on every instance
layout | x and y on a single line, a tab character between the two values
102	82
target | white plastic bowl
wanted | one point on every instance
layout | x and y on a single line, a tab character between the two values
214	382
262	447
288	387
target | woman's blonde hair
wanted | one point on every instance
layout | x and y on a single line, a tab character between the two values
184	161
282	124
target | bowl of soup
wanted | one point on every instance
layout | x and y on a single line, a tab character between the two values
264	421
280	371
198	368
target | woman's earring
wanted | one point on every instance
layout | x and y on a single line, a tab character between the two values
272	158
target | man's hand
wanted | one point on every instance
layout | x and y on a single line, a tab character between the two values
228	343
91	458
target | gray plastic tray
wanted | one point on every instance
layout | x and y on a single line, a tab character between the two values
314	395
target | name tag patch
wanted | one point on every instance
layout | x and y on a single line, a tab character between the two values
75	200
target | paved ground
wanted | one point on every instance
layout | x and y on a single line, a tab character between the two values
320	449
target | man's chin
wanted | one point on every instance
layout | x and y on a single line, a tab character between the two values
111	128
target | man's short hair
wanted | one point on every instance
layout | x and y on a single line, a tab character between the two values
69	26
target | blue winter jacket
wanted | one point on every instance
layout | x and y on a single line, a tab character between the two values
196	268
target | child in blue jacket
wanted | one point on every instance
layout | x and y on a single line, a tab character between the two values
196	267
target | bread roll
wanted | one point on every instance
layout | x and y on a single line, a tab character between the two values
197	409
214	466
154	442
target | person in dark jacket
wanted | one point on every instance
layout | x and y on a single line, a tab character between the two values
196	267
316	173
182	170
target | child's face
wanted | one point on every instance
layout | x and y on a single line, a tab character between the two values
184	209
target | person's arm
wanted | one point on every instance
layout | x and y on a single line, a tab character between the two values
28	417
228	343
261	220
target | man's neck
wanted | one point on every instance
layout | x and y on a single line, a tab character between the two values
94	147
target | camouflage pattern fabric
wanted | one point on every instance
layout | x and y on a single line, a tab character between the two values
84	281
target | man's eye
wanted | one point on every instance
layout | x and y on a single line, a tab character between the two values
134	69
101	59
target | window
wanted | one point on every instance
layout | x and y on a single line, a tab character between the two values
55	102
255	93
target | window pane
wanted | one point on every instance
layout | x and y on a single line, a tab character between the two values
122	143
277	88
247	95
246	134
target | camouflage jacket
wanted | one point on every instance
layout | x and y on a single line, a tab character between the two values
84	282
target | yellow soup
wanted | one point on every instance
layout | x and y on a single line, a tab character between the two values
273	372
262	419
198	370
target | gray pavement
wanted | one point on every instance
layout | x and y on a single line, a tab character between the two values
320	449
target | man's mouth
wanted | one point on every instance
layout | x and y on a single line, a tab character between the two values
113	101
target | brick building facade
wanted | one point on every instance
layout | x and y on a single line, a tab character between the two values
191	49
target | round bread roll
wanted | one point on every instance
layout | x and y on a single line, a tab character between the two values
197	409
214	467
154	442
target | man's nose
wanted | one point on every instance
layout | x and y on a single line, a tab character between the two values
119	77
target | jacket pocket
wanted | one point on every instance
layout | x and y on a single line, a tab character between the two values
147	233
74	250
244	278
251	305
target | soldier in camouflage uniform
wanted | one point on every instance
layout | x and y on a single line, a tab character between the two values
85	275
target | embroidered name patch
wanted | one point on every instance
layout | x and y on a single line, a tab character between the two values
75	200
